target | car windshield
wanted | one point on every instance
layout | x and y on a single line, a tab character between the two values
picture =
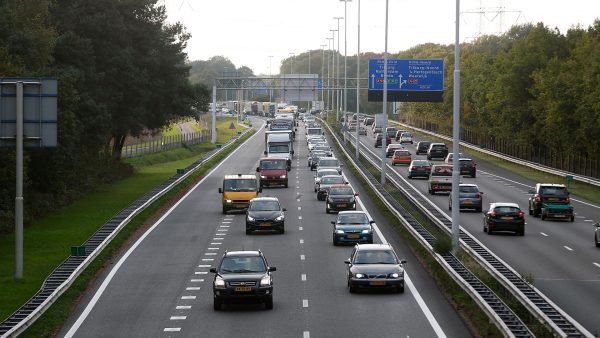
272	164
424	144
469	189
314	131
279	148
264	206
558	191
352	219
322	173
328	163
374	257
240	185
332	180
341	191
395	146
253	264
406	135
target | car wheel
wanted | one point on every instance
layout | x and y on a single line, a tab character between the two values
543	216
248	232
479	209
224	210
351	288
432	192
597	243
327	210
522	232
285	185
409	176
450	206
269	303
429	158
217	305
485	229
536	212
335	242
530	211
489	231
400	289
572	219
474	175
282	230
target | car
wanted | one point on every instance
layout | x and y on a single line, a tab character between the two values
352	227
369	121
597	234
450	156
551	200
470	197
375	266
467	167
361	130
326	183
330	162
440	178
265	213
312	142
419	168
391	147
377	130
325	148
406	137
378	140
504	216
313	158
243	276
238	190
340	197
401	156
422	147
437	150
399	133
391	132
323	172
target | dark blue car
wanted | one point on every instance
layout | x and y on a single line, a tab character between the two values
352	227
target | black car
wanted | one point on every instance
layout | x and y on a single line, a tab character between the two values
422	147
467	167
375	266
243	276
340	197
378	140
548	194
326	183
369	121
504	217
437	150
391	132
419	168
265	213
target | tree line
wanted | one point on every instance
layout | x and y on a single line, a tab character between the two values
121	70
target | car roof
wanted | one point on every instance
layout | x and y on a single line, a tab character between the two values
329	176
239	176
503	204
550	185
273	159
265	198
373	247
341	186
249	253
347	212
468	185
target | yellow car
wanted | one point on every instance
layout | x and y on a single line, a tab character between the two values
238	190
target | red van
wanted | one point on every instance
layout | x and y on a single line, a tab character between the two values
273	171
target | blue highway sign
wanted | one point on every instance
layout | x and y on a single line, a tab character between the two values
408	74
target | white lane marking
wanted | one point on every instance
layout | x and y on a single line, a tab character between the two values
210	253
117	266
299	217
596	264
172	329
223	226
587	220
183	307
297	187
305	334
213	248
301	241
207	259
302	257
544	234
299	208
226	222
413	290
216	243
192	288
305	303
220	234
204	266
178	317
303	277
566	247
217	238
188	297
201	273
196	280
300	228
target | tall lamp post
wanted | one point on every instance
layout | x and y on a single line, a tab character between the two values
333	75
328	72
337	69
322	71
456	138
385	86
357	87
346	55
270	80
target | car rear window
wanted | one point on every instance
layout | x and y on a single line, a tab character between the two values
401	153
469	189
506	210
558	191
441	171
341	191
438	146
328	163
333	180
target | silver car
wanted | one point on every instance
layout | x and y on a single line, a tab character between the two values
330	163
321	173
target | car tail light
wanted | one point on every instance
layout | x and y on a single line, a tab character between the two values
538	198
427	168
478	195
568	200
412	168
521	214
492	213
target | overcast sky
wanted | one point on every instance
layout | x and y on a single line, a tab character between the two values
248	31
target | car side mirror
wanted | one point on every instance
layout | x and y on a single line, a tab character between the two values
291	152
272	268
284	209
289	168
356	194
481	192
371	222
403	261
333	222
347	261
259	189
220	190
257	169
265	152
213	270
531	191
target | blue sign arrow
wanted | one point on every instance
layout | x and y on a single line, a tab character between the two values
407	74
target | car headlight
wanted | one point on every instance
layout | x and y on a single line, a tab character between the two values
265	281
282	176
228	201
394	275
359	275
279	218
251	219
339	231
262	176
219	282
366	231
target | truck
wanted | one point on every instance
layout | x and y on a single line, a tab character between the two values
282	122
279	144
269	109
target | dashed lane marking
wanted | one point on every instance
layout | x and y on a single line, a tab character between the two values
306	334
224	226
196	280
300	228
305	303
299	217
213	248
192	288
210	253
183	307
301	241
299	208
302	257
200	273
207	259
544	234
566	247
204	266
188	297
587	220
216	243
303	277
217	238
172	329
178	317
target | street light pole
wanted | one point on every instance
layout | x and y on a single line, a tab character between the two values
385	86
346	54
456	139
337	118
322	72
270	80
328	73
357	88
337	69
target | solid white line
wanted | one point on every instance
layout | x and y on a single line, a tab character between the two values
172	329
196	280
413	290
301	241
566	247
596	264
204	266
188	297
305	334
303	277
305	303
192	288
178	317
544	234
302	257
300	228
183	307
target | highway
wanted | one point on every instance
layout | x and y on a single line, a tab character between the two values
558	257
161	286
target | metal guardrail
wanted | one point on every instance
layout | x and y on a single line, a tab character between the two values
66	273
536	302
533	165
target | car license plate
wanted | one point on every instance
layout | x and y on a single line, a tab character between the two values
265	224
378	283
243	289
353	236
342	205
467	202
558	216
552	199
506	217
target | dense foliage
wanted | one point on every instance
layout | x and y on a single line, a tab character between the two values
121	70
204	72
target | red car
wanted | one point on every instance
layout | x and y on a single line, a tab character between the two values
401	157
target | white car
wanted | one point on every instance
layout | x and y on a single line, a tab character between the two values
406	138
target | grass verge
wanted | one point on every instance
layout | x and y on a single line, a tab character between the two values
47	241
